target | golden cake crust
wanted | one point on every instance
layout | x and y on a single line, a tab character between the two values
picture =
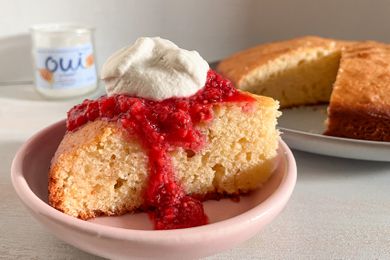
240	64
68	147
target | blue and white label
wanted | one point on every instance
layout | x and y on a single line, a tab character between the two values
59	68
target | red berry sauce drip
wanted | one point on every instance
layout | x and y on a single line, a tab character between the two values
163	126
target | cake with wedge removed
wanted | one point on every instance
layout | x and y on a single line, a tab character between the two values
170	133
353	77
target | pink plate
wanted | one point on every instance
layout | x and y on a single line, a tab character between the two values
131	236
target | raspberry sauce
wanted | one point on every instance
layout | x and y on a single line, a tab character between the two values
162	126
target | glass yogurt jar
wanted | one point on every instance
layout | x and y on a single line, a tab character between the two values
64	60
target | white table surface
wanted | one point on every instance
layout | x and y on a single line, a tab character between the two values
340	208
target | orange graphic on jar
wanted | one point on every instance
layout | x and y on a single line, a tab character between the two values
89	61
46	75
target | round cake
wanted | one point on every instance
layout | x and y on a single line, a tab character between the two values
353	77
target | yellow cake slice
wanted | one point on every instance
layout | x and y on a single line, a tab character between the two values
170	133
101	170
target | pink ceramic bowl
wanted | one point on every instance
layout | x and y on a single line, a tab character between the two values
131	236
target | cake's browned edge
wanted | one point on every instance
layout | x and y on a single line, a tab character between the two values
355	125
360	103
238	65
89	133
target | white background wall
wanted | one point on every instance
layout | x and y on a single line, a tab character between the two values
215	28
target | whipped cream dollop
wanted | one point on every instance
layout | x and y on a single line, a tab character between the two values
154	68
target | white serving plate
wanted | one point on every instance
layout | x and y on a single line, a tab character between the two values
302	129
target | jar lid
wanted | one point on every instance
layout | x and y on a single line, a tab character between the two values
61	28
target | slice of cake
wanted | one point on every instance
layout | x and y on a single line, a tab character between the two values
303	71
162	150
360	103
